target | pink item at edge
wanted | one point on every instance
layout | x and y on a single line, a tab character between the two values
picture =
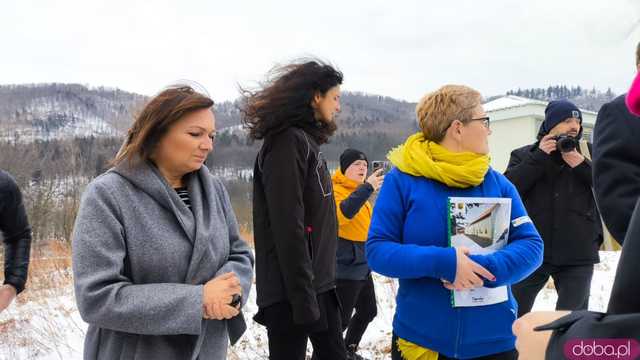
633	96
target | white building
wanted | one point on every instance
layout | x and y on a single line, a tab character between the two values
515	122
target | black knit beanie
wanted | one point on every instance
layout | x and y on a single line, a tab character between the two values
350	156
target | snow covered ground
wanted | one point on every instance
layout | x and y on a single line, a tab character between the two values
45	324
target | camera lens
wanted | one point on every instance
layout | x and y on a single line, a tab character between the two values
566	143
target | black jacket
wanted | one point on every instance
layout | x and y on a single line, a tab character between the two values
623	314
625	293
15	231
616	165
294	223
560	202
590	325
351	259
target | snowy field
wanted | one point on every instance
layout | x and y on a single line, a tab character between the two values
44	323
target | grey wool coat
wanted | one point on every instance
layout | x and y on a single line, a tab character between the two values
140	259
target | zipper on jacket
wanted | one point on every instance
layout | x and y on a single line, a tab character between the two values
309	231
455	350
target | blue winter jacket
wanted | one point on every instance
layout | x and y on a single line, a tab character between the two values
408	240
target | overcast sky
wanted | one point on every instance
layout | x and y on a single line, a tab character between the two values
395	48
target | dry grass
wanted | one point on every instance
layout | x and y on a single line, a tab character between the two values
49	271
44	321
40	320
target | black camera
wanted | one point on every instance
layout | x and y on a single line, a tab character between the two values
566	143
378	164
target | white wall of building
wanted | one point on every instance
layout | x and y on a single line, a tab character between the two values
507	135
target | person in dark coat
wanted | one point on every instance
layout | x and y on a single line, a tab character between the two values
543	335
16	232
616	163
556	188
294	211
352	189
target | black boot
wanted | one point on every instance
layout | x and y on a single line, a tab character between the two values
351	353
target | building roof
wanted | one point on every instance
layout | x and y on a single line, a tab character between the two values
511	106
511	101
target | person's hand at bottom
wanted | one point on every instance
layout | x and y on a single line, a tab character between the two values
531	344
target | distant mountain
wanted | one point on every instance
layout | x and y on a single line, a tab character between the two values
584	98
359	111
56	111
371	123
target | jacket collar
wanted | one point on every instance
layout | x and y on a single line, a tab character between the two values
199	226
340	179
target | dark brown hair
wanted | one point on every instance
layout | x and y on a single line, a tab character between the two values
285	100
155	119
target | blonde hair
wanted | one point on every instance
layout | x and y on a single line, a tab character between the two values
436	111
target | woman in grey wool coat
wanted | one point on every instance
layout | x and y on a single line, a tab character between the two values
160	270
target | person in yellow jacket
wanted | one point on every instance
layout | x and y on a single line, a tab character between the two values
353	277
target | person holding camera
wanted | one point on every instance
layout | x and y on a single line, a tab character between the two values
616	173
554	180
352	189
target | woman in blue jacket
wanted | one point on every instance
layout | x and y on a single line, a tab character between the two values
408	237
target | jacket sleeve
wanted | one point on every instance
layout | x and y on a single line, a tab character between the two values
14	225
590	325
616	169
583	172
240	260
350	206
385	250
283	177
625	293
525	168
105	295
584	169
524	250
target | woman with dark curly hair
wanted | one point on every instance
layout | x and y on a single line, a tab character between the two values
294	214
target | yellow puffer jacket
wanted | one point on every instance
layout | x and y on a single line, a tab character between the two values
356	228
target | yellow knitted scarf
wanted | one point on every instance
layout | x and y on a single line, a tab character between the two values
411	351
420	157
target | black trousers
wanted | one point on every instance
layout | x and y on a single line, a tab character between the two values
625	294
508	355
573	284
288	340
358	295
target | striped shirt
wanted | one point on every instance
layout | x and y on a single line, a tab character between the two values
184	196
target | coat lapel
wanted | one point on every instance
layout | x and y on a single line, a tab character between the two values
148	179
207	255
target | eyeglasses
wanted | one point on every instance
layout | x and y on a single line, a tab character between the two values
486	121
